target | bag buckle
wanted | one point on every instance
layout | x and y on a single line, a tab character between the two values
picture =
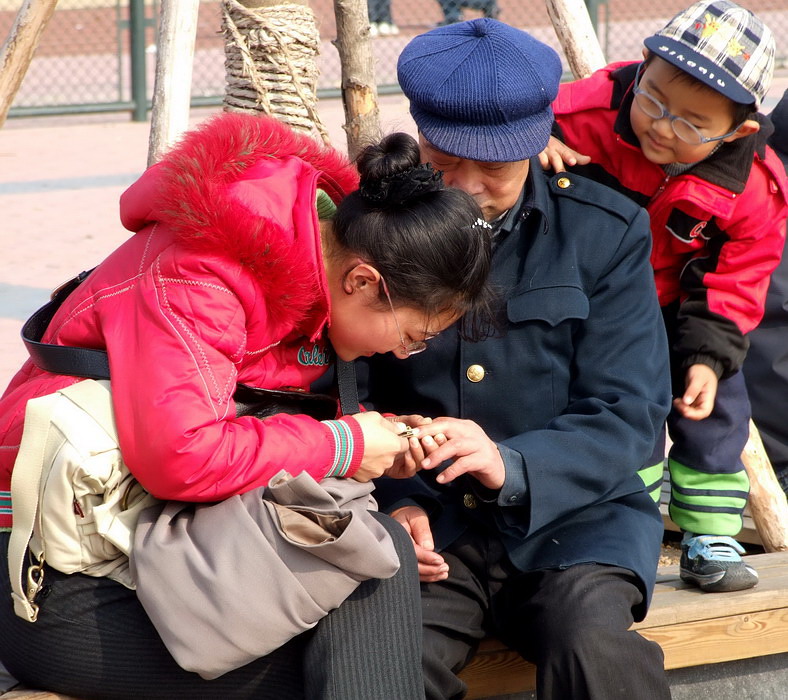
35	581
70	285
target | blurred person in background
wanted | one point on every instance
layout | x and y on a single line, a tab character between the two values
766	366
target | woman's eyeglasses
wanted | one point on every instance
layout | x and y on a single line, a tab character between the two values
416	346
653	108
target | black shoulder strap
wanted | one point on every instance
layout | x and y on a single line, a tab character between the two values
62	359
348	389
94	364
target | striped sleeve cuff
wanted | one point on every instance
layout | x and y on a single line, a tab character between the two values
5	503
348	446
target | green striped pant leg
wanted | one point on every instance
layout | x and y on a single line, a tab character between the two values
652	479
707	504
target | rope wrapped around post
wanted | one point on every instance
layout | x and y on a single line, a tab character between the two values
270	67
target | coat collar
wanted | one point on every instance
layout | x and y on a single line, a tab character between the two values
533	203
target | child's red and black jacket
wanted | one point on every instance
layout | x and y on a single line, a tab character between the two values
718	229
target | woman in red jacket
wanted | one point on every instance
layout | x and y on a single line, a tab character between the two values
250	264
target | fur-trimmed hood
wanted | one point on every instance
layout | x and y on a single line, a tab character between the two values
244	186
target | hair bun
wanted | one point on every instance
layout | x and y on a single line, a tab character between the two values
403	186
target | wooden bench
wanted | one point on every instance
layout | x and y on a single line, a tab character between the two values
692	627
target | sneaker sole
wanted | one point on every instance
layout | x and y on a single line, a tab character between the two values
723	581
700	579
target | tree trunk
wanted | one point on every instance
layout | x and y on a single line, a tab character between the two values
172	89
359	89
574	29
19	48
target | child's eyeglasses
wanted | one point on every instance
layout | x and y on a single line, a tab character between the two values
653	108
416	346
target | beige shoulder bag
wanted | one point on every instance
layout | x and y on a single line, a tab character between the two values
75	502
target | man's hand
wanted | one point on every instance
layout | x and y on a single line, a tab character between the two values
556	154
470	448
697	402
432	566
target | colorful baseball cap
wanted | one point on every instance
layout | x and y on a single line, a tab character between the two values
721	44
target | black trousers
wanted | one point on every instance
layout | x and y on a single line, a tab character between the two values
572	623
94	640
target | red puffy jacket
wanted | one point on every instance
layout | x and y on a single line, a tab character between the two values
718	229
222	283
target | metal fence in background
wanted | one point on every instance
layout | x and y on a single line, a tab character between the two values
99	55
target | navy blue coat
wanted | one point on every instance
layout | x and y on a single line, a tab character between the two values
574	391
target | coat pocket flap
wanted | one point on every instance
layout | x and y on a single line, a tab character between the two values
549	304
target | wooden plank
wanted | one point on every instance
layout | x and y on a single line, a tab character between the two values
722	639
498	673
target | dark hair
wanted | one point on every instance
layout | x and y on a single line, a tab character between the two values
430	242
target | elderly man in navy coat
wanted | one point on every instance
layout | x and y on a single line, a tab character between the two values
528	515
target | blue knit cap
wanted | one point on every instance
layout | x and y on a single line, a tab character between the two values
481	89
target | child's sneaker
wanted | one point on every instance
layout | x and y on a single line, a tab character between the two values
714	563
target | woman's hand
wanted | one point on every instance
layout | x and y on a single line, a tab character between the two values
470	448
382	445
557	153
408	465
697	402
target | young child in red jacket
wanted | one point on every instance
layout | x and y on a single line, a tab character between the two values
680	133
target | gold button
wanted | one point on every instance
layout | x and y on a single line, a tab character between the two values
469	500
475	373
563	182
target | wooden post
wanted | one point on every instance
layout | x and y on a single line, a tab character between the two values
768	504
172	89
19	47
574	29
359	89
